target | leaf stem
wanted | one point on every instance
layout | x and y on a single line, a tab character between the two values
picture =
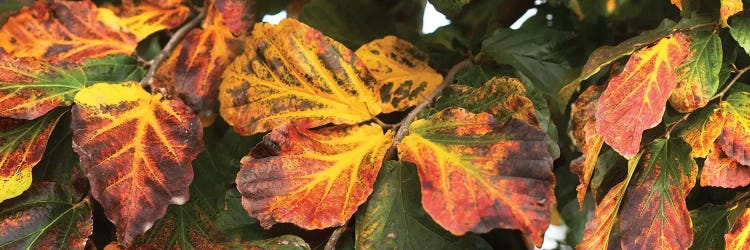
698	26
335	236
403	129
148	80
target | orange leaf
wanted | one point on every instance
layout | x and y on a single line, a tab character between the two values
65	31
314	178
30	88
735	137
704	126
677	3
728	9
635	99
722	171
478	173
144	19
404	77
739	235
583	128
295	72
21	148
149	166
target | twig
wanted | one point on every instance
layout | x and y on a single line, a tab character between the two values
335	236
403	130
698	26
148	80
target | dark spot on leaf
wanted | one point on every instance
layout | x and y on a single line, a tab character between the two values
56	49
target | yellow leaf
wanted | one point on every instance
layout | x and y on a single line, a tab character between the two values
729	8
145	19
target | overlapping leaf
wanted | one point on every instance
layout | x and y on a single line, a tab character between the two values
150	166
741	31
722	171
710	224
739	235
635	99
478	173
585	137
735	137
704	126
21	148
314	178
403	76
699	75
295	72
45	218
65	31
728	9
237	14
145	19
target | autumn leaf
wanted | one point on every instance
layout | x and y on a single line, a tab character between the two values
237	14
295	72
393	218
677	3
728	9
43	217
314	178
699	74
735	137
21	148
194	68
585	137
65	31
636	98
710	224
739	234
722	171
703	127
145	19
654	204
404	77
478	173
150	166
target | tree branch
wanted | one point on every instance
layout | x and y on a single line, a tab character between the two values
335	236
148	80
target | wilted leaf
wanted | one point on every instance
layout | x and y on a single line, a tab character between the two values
394	218
21	148
404	77
585	137
314	178
654	212
728	9
295	72
710	224
44	217
478	173
741	31
65	31
699	74
735	137
450	8
722	171
144	19
703	127
739	235
635	99
149	167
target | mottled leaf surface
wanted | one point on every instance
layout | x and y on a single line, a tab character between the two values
635	99
146	19
585	137
478	173
728	9
739	235
149	167
284	242
237	14
314	178
710	224
65	31
295	72
699	74
404	77
703	128
735	137
44	217
21	148
719	170
654	212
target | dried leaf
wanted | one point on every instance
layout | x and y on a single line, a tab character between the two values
735	137
65	31
478	173
585	137
314	178
728	9
635	99
404	77
21	148
699	74
295	72
149	167
43	217
703	127
721	171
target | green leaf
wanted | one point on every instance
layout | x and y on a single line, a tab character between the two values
112	69
699	74
284	242
44	217
740	30
450	8
60	163
393	218
710	224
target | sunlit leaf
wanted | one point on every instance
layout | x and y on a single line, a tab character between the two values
710	224
393	218
149	167
635	99
654	212
295	72
404	77
585	137
478	173
703	127
739	235
65	31
699	74
741	31
735	137
21	148
722	171
728	9
145	19
44	217
314	178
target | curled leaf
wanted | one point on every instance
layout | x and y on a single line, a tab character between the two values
585	137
